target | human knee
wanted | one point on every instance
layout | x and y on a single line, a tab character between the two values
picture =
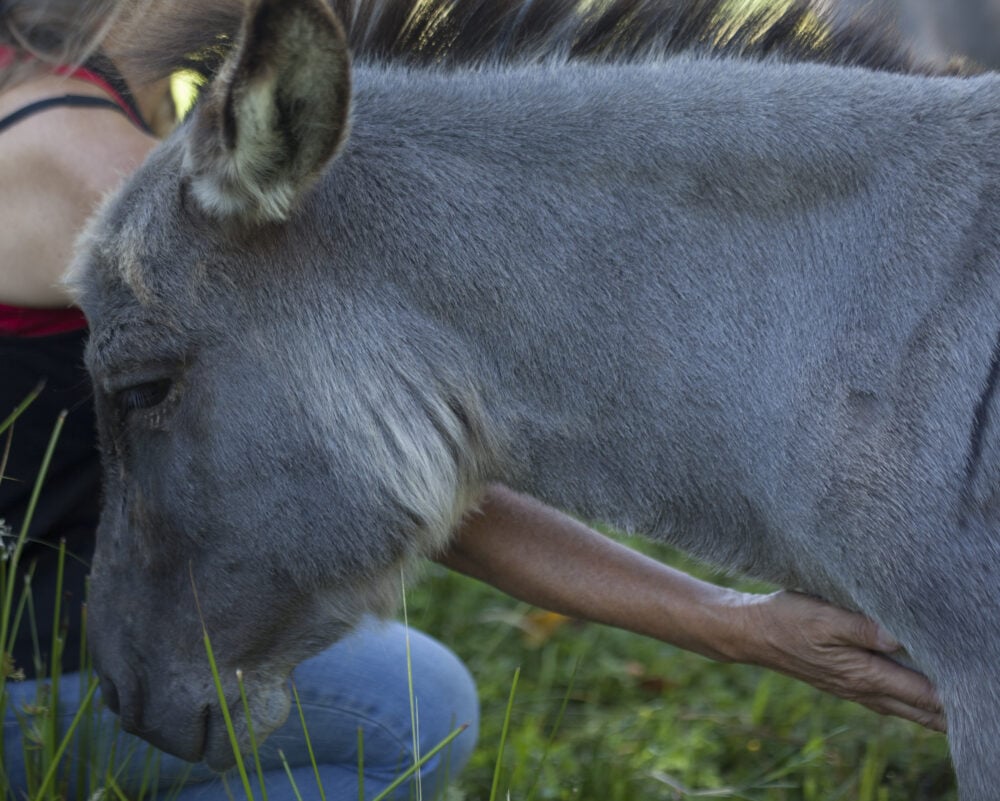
381	679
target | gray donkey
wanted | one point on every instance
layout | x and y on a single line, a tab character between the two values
747	307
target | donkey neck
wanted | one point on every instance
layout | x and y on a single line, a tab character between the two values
650	263
724	134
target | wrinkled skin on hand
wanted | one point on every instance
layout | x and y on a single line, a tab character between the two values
843	653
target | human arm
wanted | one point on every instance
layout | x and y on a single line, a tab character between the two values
548	559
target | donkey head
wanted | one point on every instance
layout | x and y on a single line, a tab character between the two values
269	461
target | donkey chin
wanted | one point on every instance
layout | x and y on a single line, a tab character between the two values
269	706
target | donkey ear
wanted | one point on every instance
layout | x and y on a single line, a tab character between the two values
275	115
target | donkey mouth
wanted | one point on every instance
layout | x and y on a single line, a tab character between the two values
205	739
217	749
187	741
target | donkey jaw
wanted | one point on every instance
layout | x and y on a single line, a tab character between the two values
269	708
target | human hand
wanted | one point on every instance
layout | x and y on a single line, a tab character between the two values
840	652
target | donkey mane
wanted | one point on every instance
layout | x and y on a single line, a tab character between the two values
470	33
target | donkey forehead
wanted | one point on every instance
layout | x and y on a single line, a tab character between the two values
136	241
148	287
139	277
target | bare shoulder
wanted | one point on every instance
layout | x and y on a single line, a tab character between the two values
55	167
86	150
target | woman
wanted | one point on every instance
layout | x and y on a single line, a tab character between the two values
514	543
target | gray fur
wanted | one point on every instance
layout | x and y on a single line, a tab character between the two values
749	309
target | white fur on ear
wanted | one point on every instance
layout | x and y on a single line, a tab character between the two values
233	187
275	116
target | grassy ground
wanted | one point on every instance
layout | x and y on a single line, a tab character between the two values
641	720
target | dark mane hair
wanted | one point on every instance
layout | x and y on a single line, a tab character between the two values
195	35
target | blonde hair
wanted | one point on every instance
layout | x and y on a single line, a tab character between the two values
41	33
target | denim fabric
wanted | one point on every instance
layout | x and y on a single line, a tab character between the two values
359	683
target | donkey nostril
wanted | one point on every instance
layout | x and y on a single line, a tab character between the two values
124	698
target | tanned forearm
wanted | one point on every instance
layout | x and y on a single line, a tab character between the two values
548	559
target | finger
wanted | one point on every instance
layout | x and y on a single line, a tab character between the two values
882	678
886	705
857	629
890	689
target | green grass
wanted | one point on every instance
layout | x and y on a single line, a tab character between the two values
640	719
54	753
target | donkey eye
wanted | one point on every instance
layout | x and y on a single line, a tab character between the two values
143	396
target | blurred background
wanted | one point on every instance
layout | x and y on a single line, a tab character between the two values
939	29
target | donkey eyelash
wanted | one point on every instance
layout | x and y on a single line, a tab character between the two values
142	396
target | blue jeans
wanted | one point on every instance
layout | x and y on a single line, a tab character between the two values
359	683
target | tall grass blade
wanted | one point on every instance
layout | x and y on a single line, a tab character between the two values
291	778
503	735
7	573
25	606
253	739
116	789
309	747
414	717
8	421
241	768
555	730
55	657
8	441
90	734
871	771
361	764
84	706
419	764
7	636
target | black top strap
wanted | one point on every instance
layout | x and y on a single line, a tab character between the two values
78	101
101	65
